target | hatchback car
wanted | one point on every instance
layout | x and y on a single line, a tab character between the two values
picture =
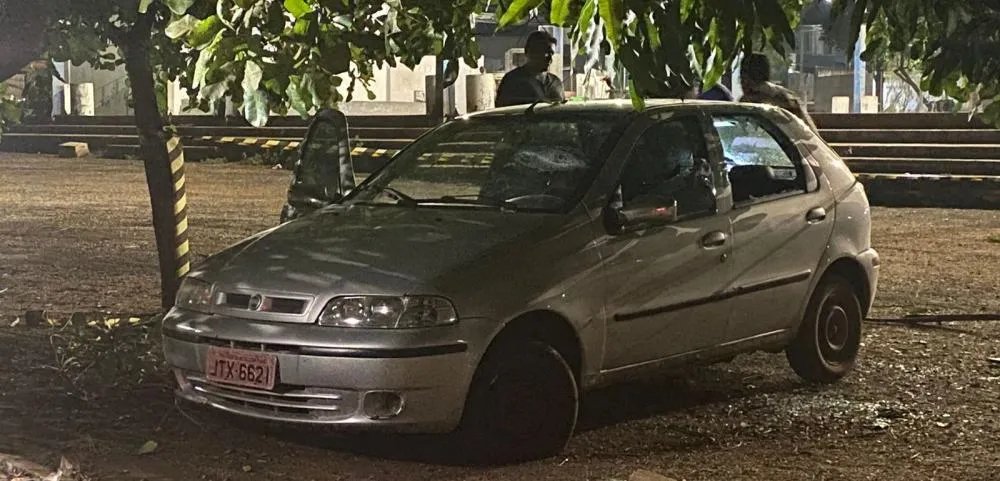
507	262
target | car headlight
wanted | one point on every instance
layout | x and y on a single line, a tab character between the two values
384	312
194	294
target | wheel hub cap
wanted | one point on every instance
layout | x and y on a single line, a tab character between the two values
836	327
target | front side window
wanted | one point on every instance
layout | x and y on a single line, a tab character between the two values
322	165
541	162
669	163
761	162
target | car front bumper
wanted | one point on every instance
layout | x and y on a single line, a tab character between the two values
334	376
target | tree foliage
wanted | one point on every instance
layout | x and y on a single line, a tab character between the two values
956	43
668	47
281	55
296	54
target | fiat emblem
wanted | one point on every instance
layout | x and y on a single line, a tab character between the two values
256	301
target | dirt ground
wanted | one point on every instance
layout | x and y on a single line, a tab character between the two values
923	404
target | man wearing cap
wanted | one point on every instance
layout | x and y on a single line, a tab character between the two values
532	81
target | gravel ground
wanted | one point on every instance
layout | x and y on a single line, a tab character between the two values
922	404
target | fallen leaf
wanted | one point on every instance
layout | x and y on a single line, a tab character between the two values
148	447
247	468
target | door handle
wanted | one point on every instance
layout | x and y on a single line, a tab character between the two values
713	239
815	215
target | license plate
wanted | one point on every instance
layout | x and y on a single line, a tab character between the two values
241	368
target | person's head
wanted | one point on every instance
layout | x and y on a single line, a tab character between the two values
539	48
754	70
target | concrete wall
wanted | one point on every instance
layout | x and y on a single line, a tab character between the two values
826	87
110	87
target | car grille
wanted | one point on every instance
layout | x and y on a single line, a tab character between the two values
277	305
248	346
289	403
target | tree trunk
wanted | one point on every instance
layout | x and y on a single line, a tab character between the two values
880	87
136	49
438	114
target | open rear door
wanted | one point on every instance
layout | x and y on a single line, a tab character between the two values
324	172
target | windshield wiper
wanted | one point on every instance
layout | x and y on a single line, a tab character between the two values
465	200
400	197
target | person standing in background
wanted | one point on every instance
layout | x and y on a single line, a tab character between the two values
532	82
755	78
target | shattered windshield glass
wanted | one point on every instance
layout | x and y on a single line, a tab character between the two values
527	162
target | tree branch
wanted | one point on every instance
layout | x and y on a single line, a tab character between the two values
905	77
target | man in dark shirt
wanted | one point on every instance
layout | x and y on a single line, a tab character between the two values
755	78
532	81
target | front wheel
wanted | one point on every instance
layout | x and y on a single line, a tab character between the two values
826	347
522	405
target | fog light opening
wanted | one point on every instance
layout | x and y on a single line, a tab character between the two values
382	405
182	381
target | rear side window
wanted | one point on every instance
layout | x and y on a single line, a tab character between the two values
761	162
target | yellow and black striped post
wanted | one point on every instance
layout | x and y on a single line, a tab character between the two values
182	254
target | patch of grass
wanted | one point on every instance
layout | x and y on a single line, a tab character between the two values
994	238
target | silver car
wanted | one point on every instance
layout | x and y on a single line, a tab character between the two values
509	261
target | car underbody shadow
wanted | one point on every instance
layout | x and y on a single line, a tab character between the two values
671	392
662	395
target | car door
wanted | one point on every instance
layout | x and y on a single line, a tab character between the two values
664	281
781	218
324	171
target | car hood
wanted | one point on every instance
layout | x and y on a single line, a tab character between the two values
367	249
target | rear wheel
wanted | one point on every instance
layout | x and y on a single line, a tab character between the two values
522	405
826	347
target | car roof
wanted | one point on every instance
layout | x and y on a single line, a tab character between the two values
610	106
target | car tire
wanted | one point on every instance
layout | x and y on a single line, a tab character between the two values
522	405
829	339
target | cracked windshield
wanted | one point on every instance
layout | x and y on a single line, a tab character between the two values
538	163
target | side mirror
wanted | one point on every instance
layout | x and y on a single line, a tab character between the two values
619	220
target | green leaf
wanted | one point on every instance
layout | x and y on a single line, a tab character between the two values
144	5
148	447
560	12
212	92
638	102
687	6
255	108
201	66
301	27
297	8
652	32
518	10
610	11
179	7
583	23
180	26
336	58
204	32
275	19
297	95
252	74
